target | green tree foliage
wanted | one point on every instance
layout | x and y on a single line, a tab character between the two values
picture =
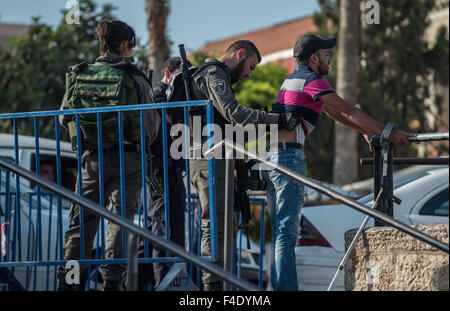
260	92
396	64
33	67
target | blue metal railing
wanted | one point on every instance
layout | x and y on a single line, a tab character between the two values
37	255
132	229
237	251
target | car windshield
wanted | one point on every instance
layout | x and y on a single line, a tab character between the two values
366	199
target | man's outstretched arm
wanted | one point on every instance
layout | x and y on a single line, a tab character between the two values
351	116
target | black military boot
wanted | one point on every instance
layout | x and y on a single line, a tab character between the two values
213	287
111	286
62	284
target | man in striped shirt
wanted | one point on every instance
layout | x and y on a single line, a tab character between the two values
305	93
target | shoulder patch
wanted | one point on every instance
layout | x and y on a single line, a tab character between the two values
219	86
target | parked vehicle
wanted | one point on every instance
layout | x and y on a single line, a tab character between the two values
320	247
314	197
47	154
250	259
365	187
39	237
43	240
36	240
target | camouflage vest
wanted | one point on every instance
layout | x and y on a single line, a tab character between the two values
93	86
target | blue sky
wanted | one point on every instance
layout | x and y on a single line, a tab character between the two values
192	22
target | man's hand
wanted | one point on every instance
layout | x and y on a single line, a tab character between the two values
368	137
288	121
399	137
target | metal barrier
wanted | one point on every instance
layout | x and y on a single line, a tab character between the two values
383	182
124	223
383	162
34	246
337	196
8	258
384	193
237	247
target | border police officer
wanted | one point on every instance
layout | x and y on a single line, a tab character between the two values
214	81
117	40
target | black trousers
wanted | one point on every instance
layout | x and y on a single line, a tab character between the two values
153	273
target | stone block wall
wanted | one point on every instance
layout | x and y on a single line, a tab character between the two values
385	259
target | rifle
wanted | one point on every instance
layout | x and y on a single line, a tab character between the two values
186	73
151	180
245	179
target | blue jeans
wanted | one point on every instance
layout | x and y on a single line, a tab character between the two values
285	199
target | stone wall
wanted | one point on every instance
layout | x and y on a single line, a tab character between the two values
385	259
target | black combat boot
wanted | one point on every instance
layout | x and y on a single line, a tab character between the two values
213	287
62	284
111	286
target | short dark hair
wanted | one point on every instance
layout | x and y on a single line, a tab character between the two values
306	61
174	63
247	45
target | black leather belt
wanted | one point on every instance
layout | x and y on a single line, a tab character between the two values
286	145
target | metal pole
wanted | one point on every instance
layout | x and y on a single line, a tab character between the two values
127	225
212	185
228	223
309	182
429	137
386	180
352	245
132	269
410	161
388	184
384	194
377	172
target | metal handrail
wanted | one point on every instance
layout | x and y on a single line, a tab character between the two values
127	224
383	161
410	161
77	115
429	137
195	103
384	191
335	195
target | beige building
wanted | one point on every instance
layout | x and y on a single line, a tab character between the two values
11	30
275	43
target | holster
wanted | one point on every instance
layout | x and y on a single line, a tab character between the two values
245	179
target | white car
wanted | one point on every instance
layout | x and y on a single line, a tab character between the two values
31	247
320	247
47	249
43	277
250	259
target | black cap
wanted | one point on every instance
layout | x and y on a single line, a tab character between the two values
310	44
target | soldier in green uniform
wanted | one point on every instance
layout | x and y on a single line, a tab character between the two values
116	40
214	81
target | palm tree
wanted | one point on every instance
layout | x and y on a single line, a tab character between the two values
345	167
157	12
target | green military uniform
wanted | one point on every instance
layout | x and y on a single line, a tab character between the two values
214	83
112	274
